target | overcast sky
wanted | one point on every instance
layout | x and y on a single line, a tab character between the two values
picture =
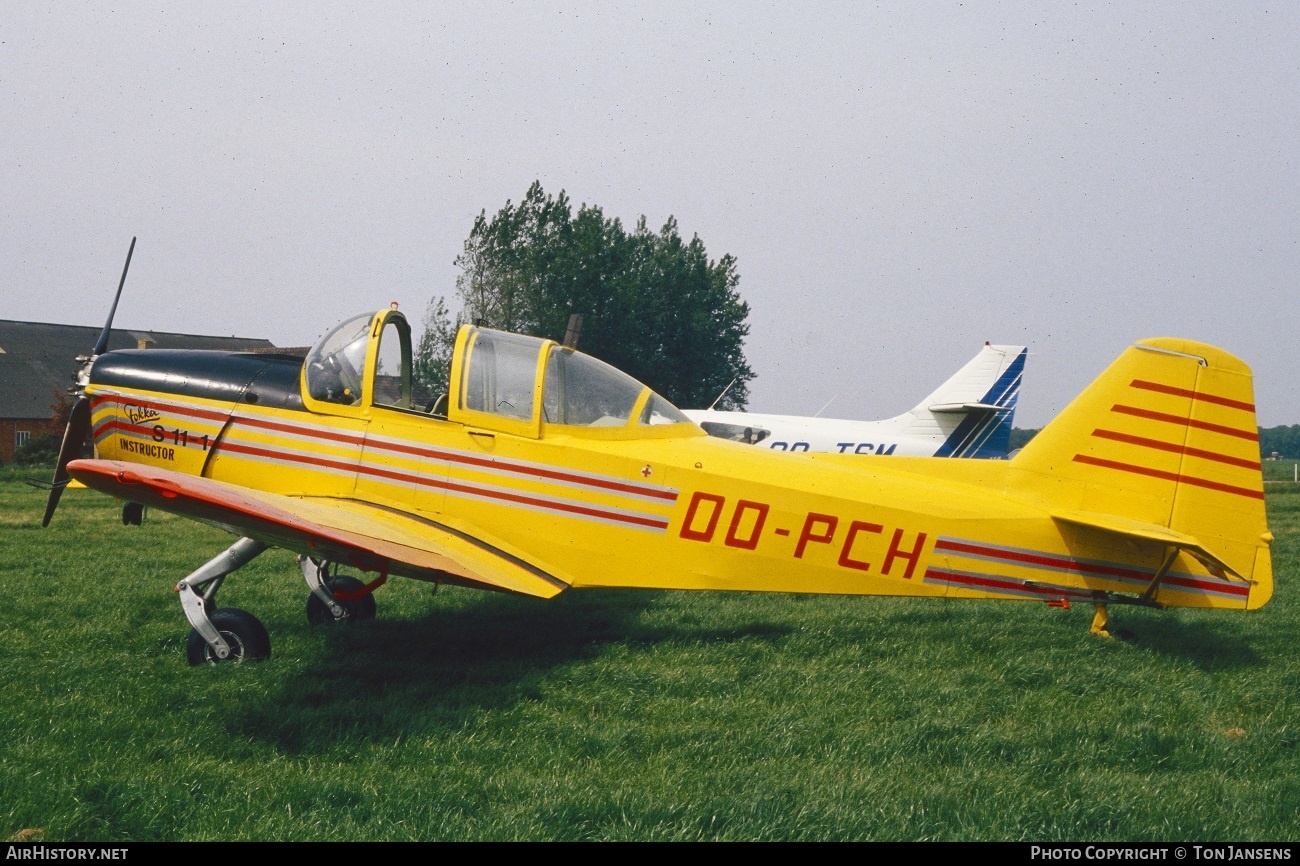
899	182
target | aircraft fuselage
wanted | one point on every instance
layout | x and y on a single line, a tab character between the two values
669	508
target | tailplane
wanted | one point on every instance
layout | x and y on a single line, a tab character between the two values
1163	449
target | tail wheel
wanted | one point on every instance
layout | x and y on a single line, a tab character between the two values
353	611
244	632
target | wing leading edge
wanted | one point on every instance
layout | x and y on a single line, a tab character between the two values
369	537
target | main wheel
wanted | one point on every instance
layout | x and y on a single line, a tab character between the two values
132	514
244	632
353	611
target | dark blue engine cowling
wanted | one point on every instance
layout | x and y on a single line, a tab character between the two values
235	377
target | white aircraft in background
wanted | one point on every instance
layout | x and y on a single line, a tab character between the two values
967	416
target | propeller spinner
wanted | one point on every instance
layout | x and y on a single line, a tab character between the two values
74	435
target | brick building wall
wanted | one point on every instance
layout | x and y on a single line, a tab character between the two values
10	428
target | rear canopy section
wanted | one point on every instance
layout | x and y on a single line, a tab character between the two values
526	385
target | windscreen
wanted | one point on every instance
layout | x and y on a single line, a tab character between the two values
336	362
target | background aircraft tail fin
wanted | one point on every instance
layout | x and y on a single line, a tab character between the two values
975	408
1163	447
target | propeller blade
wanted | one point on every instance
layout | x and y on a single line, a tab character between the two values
102	346
74	436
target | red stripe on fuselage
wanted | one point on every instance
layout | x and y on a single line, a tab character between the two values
1206	586
1044	559
161	406
107	429
1058	591
393	475
1017	586
359	440
520	469
298	430
463	459
1066	564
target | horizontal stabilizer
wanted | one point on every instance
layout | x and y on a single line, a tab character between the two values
1152	532
958	408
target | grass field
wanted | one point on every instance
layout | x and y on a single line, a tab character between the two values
623	715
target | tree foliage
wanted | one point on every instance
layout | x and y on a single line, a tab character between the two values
39	451
1284	440
1020	438
653	304
431	366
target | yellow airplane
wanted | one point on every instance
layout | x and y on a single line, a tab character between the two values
544	469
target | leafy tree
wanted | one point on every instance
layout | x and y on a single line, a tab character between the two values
431	366
653	304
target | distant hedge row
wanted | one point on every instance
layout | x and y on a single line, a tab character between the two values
1285	440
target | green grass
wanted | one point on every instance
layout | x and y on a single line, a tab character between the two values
1281	470
622	715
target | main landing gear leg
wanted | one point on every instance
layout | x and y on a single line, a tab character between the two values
336	598
1099	621
317	575
226	633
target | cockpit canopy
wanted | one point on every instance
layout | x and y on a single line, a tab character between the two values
530	381
499	380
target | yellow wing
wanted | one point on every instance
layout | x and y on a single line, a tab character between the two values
369	537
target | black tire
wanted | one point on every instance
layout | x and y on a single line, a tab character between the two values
244	632
353	611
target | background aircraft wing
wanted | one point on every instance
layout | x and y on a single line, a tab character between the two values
367	536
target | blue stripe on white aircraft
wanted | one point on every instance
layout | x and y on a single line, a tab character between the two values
968	416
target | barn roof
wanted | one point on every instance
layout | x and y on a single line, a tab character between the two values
38	360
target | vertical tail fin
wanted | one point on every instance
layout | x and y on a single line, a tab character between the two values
975	408
1163	447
